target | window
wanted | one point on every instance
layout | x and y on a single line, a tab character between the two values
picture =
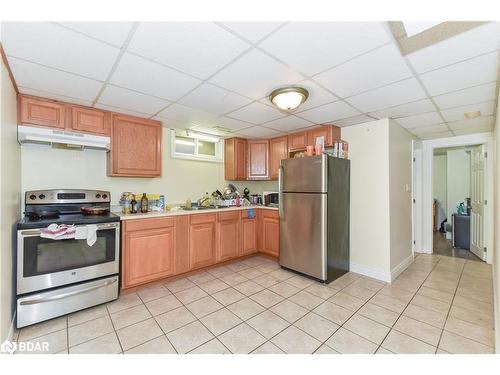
190	147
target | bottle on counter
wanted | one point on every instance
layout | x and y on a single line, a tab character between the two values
144	203
133	205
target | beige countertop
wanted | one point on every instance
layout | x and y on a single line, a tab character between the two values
186	212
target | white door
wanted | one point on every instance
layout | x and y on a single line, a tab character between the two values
477	202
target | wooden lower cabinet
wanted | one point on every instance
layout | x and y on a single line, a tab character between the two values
228	235
148	251
270	233
248	236
202	240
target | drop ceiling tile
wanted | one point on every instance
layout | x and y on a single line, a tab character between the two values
444	134
477	71
463	46
258	131
131	100
311	47
124	111
255	75
214	99
231	124
457	113
187	115
197	48
172	124
388	96
52	45
425	119
371	70
288	124
354	120
49	95
212	130
256	113
252	31
476	94
39	77
480	129
150	78
476	123
110	32
423	130
328	113
409	109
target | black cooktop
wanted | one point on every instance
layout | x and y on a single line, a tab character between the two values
69	219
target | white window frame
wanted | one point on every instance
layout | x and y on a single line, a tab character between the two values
178	155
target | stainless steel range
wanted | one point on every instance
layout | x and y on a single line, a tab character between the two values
59	276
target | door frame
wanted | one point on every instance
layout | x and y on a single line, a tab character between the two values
424	230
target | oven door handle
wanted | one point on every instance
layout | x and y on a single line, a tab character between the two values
37	232
68	294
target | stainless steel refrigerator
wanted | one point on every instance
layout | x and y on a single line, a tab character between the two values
314	216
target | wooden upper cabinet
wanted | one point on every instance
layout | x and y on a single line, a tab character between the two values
278	150
40	112
136	147
297	140
258	159
202	240
90	120
228	235
330	133
148	250
235	159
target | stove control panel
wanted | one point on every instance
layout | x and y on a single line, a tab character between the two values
67	196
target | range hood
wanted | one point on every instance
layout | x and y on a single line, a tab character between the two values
61	138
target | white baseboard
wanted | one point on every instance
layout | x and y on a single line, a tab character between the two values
396	271
370	272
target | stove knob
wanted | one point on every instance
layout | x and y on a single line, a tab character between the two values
98	196
32	197
41	196
104	196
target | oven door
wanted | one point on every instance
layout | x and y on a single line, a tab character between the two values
44	263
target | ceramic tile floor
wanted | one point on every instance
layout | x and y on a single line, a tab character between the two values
438	305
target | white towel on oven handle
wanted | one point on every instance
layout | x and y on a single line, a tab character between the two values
88	232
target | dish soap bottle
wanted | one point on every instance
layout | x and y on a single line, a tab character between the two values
144	203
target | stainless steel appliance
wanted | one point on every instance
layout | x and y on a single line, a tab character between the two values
56	277
314	216
271	198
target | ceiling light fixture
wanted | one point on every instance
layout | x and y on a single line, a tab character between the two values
470	115
202	136
288	98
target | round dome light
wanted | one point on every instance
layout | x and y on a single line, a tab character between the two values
288	98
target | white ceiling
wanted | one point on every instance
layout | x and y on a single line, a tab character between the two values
216	76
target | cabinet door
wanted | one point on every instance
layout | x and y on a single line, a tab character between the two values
330	133
39	112
278	150
258	159
270	236
297	140
148	255
202	244
135	147
90	120
248	236
228	236
182	261
235	154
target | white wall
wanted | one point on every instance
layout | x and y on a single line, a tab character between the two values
458	179
10	186
369	201
47	168
400	161
439	187
496	239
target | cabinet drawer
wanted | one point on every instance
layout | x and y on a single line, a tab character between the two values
152	223
231	215
203	218
271	214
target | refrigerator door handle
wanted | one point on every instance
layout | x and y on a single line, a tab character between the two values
280	191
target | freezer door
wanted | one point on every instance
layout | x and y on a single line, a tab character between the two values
303	234
304	175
